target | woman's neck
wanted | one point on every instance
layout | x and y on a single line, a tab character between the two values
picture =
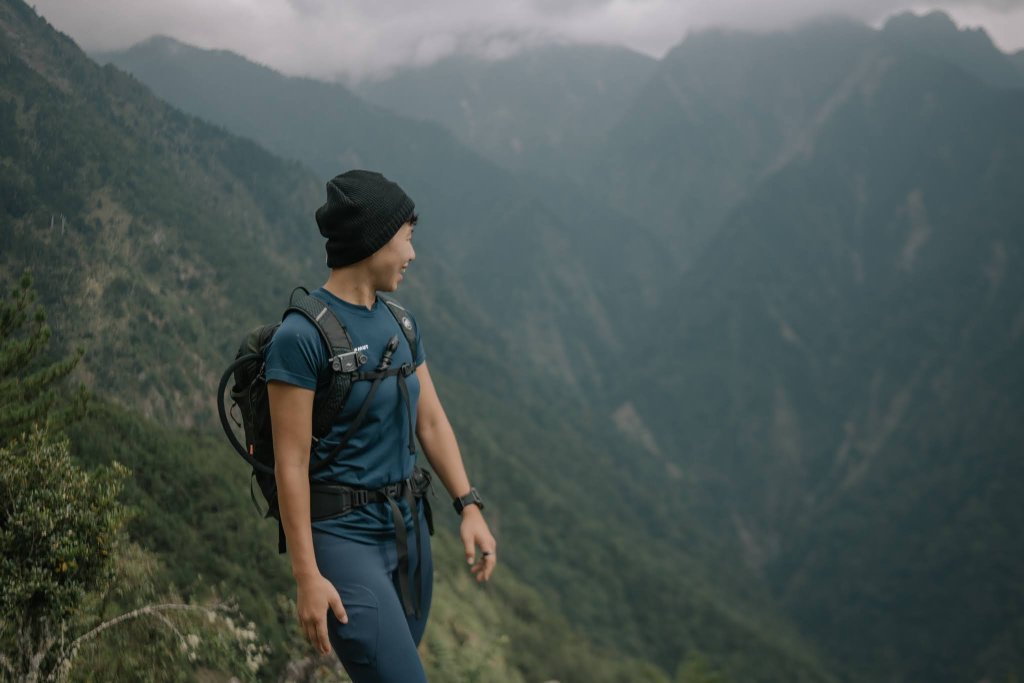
348	284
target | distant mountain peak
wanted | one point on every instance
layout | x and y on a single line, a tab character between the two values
936	20
935	25
970	49
820	27
169	46
161	41
927	30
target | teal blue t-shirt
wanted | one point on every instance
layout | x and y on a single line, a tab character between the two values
378	453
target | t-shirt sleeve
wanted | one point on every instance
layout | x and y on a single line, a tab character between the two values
296	353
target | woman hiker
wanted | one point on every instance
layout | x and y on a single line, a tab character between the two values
364	577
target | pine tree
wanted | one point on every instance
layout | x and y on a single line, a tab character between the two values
27	382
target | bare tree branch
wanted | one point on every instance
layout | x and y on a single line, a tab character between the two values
170	625
36	662
154	610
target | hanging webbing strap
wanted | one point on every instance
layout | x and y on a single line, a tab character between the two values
417	580
402	547
404	388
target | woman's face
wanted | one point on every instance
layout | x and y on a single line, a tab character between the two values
388	263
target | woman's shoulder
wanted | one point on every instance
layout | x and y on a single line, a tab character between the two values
296	325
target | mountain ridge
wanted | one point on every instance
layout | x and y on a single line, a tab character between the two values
541	108
854	273
972	50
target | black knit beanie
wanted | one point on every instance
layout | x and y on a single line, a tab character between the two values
363	212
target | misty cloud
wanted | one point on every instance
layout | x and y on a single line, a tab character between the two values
1002	5
362	38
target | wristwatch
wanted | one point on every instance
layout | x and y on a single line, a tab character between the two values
471	498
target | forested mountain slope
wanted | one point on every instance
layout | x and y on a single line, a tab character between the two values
169	238
722	110
842	359
768	343
845	381
141	223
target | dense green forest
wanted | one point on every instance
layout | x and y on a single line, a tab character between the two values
735	363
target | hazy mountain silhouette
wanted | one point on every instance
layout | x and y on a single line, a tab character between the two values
972	50
845	375
721	111
1017	58
543	110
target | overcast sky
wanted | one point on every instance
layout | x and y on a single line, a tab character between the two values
362	38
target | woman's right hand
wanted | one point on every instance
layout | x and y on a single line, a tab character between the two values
315	596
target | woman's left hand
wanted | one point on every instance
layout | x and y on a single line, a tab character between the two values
475	534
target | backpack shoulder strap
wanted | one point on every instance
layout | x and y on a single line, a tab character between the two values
342	359
331	329
405	321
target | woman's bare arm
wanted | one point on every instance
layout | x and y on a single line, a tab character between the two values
291	413
442	450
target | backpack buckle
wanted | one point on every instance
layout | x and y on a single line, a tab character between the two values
348	362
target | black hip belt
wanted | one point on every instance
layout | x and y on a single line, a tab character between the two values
327	501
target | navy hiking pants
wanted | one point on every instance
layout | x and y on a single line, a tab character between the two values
378	644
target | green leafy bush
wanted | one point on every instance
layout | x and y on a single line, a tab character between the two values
59	528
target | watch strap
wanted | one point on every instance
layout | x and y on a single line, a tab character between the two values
471	498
